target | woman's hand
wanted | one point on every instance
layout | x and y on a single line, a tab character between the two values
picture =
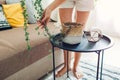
45	18
46	14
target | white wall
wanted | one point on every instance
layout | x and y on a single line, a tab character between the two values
45	3
54	14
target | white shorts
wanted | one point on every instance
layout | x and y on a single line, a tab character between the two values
81	5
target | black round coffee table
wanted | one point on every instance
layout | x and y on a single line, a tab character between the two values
85	46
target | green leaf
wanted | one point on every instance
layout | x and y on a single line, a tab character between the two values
37	28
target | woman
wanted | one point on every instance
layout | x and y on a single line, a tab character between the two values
66	7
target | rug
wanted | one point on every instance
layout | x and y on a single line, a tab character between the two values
89	72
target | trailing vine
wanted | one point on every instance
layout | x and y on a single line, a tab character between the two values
39	11
25	24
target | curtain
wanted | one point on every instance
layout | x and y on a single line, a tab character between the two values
106	17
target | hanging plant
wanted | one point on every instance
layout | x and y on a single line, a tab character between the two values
25	24
39	11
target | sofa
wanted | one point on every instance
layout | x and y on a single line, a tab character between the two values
18	63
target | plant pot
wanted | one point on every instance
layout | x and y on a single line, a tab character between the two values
73	32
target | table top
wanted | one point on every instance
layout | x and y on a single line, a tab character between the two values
85	46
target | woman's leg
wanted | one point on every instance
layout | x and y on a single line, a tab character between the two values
65	16
64	68
77	73
81	17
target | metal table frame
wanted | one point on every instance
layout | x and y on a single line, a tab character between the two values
100	53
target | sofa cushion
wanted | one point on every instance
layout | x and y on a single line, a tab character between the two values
13	41
14	14
3	21
14	55
30	9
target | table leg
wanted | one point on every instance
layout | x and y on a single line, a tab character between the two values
68	78
53	62
98	65
67	65
101	64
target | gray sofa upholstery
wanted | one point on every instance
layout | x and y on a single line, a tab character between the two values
17	63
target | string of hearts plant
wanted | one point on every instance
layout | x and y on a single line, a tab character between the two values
39	10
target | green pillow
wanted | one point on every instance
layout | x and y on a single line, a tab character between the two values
3	22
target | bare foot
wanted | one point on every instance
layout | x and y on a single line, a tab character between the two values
62	71
78	75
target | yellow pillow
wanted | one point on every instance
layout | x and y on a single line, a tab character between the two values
13	13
